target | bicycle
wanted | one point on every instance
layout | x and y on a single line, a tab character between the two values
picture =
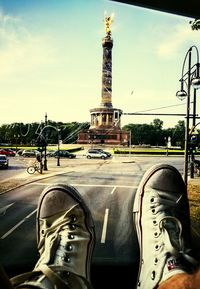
35	167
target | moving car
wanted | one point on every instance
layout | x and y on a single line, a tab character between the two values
3	161
94	153
64	154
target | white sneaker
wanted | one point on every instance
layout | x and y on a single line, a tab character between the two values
162	220
65	237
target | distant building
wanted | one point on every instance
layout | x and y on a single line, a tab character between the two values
105	126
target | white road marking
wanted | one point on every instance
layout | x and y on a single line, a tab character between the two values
104	230
4	209
87	185
105	222
113	190
17	225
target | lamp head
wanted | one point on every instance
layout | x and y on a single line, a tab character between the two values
196	82
181	94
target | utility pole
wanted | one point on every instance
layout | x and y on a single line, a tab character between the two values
45	147
191	145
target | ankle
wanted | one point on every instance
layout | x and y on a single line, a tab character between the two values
179	281
196	278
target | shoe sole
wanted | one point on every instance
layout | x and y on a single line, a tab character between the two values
69	190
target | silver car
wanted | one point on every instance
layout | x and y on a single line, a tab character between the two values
96	154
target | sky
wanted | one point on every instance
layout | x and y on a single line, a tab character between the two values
51	60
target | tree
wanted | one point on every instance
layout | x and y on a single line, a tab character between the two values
179	133
157	123
158	132
141	133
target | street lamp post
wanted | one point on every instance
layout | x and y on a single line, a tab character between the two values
192	78
58	159
45	147
193	125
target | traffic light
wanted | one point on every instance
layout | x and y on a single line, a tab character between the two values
193	143
194	139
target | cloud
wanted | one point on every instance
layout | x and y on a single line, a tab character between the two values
176	38
20	50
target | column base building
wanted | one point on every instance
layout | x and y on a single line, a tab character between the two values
104	128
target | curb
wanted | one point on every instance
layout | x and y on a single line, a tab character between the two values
35	180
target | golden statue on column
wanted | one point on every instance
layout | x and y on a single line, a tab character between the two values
108	21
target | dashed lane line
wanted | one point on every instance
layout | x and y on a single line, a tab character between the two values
104	230
17	225
105	221
113	190
5	208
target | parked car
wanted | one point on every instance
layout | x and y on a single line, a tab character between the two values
49	153
19	152
29	153
94	153
105	152
64	154
7	152
4	161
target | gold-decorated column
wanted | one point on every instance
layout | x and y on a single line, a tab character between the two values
107	44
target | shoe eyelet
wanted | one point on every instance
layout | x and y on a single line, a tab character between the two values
152	200
69	247
153	275
157	247
154	222
43	232
156	234
73	218
153	211
67	259
70	236
155	261
72	227
64	274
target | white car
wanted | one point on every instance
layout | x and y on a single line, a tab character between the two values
96	154
29	153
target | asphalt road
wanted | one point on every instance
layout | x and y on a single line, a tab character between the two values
108	188
16	166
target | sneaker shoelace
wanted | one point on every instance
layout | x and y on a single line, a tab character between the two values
171	228
57	239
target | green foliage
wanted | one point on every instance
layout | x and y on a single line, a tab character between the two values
35	133
195	24
157	124
154	134
31	133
